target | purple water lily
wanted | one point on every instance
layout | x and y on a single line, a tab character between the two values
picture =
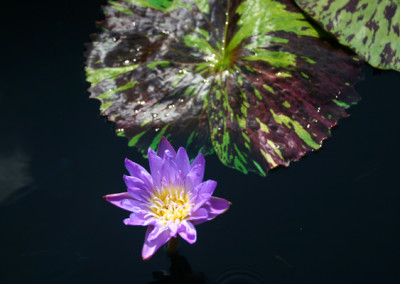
170	200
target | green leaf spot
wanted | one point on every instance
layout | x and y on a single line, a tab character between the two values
283	75
263	126
106	105
260	169
308	59
98	75
304	75
275	58
136	138
108	94
120	7
300	131
341	104
154	64
269	89
157	139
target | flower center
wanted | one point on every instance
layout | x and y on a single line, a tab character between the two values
171	204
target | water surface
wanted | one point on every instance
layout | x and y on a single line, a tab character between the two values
330	218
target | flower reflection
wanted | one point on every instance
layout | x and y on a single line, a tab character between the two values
170	200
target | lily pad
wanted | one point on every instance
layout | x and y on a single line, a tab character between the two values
371	28
251	80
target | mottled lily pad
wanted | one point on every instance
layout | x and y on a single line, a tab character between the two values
251	80
370	27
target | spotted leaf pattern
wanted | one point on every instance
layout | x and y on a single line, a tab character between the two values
371	28
252	81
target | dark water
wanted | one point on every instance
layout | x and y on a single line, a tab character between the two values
333	217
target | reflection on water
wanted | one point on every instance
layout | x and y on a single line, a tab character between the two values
48	264
239	275
180	272
331	218
14	172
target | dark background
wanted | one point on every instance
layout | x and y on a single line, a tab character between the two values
332	217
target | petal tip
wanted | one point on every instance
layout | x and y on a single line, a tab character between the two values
146	258
187	238
227	208
200	158
150	151
163	146
163	143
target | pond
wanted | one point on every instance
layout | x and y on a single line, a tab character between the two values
331	217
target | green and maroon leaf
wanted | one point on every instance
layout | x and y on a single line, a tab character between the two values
250	80
371	28
145	76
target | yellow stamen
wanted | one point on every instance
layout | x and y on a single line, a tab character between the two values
170	204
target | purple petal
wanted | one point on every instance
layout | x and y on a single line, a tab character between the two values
165	146
173	227
214	206
138	171
169	172
182	161
188	232
138	219
125	201
155	163
196	173
199	160
206	188
139	194
159	239
136	182
189	187
158	229
204	191
199	214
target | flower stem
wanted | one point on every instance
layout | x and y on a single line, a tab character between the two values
172	245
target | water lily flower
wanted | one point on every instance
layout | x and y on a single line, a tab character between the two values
170	200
